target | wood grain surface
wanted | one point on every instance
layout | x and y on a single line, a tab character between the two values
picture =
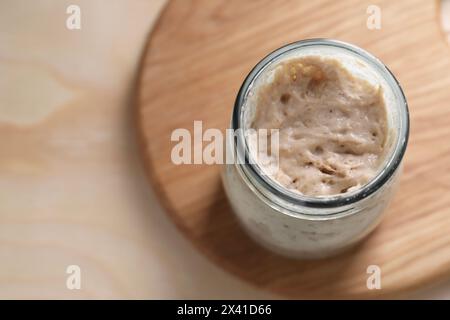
196	59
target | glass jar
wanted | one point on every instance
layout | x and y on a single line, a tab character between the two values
304	226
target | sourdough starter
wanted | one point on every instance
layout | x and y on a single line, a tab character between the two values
332	125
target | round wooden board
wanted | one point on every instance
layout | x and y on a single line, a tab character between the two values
196	59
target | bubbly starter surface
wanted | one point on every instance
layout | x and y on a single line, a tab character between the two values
332	125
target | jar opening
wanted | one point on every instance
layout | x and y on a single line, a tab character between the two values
400	124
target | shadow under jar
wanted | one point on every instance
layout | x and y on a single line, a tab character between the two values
305	226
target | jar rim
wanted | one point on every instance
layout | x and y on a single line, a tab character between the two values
252	171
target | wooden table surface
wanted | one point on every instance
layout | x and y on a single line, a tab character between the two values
72	190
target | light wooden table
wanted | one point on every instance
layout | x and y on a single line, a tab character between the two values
72	190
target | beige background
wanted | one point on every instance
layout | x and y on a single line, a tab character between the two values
72	190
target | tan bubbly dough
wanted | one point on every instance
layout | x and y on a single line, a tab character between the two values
332	125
